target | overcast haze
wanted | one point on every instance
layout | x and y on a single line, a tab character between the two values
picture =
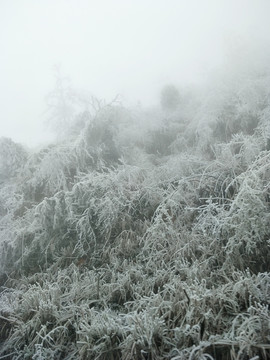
110	47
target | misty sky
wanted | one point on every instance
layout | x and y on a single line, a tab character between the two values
110	47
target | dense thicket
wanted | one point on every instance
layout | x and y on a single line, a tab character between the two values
142	234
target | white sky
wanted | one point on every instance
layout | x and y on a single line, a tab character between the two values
110	47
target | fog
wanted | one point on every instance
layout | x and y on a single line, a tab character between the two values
126	47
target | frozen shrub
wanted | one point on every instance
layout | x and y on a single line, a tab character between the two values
12	158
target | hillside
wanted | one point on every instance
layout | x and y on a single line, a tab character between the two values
141	233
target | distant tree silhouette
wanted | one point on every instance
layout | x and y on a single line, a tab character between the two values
169	98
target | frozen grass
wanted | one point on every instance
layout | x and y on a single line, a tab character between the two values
139	243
